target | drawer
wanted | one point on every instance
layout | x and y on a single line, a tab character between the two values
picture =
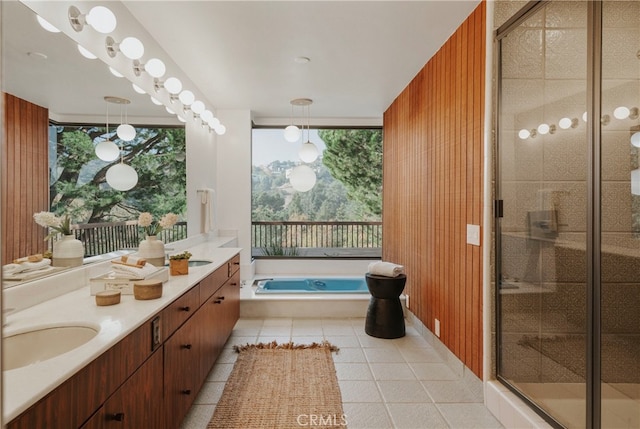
212	283
180	310
233	265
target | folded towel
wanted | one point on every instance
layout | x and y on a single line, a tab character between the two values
133	260
386	269
25	267
131	272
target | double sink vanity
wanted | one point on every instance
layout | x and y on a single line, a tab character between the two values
69	363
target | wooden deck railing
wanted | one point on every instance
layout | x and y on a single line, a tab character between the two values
100	238
316	238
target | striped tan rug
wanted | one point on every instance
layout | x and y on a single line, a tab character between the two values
281	386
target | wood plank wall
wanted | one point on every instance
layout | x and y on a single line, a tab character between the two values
432	181
25	177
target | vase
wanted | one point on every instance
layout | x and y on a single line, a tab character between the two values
152	250
67	252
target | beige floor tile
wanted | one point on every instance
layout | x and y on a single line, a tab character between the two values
416	416
353	371
359	391
210	392
392	371
403	391
383	355
367	416
198	417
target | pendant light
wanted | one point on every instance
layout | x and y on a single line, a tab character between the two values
292	133
120	176
107	150
124	131
308	151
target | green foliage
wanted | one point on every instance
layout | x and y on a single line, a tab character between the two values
78	184
354	157
276	249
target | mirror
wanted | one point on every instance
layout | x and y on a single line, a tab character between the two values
46	69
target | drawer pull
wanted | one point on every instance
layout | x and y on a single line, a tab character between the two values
186	346
221	298
234	284
236	263
217	301
186	308
118	417
186	392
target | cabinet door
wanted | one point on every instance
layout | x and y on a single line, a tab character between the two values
182	355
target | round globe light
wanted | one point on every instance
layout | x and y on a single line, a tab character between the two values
86	53
584	116
122	177
126	132
524	134
47	25
132	48
308	152
197	107
101	19
635	181
137	89
173	85
635	139
220	130
115	72
169	111
186	97
214	122
155	67
107	151
543	129
181	119
302	178
621	112
207	116
156	101
565	123
292	134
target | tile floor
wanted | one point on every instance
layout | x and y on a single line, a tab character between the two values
400	383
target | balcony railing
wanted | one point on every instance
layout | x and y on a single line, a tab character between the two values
316	239
100	238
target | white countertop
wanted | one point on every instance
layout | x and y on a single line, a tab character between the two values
25	386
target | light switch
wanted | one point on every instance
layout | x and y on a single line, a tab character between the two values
473	234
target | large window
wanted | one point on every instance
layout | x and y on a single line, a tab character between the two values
330	206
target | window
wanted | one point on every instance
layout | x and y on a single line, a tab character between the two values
339	216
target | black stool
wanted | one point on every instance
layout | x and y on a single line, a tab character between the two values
385	318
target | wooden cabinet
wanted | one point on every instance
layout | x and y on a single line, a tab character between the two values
141	383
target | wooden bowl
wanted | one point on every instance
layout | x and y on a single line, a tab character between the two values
147	289
107	297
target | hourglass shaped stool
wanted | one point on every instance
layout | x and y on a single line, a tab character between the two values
385	318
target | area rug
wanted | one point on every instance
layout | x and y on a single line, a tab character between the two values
280	386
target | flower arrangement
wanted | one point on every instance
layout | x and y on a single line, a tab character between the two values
184	255
59	225
153	227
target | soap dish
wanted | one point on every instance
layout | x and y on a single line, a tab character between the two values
108	297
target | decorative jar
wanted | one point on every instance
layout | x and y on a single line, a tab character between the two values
67	252
152	250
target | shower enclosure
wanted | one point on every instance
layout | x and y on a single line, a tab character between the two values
568	211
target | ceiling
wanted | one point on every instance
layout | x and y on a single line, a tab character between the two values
241	55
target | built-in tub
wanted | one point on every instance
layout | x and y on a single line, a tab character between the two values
330	285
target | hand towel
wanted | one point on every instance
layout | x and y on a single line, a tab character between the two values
129	272
386	269
25	267
207	197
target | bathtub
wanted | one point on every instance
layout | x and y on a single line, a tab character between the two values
313	285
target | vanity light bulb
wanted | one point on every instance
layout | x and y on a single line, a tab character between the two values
107	151
214	122
132	48
635	139
584	116
126	132
186	97
181	119
565	123
523	134
197	107
85	53
101	19
169	111
543	129
207	116
115	72
122	177
308	152
156	101
137	89
173	85
292	134
220	130
47	25
155	68
621	112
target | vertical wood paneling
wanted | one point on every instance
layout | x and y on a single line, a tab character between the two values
433	179
25	177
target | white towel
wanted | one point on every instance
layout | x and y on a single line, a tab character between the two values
25	267
207	197
386	269
127	272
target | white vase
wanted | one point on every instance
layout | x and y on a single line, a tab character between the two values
152	250
67	252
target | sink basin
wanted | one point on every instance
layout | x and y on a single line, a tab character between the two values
196	262
38	345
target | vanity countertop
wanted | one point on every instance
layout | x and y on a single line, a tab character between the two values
25	386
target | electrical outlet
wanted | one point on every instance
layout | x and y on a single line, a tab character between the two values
437	328
473	234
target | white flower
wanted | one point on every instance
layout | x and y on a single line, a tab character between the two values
47	219
145	219
168	220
